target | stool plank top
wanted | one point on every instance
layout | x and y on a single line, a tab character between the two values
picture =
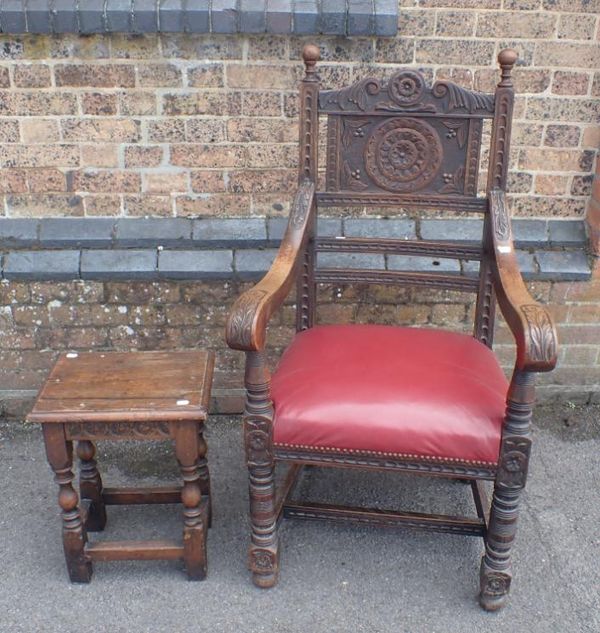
126	387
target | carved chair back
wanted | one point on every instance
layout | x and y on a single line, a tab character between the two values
406	144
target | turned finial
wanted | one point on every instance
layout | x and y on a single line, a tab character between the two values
311	55
507	59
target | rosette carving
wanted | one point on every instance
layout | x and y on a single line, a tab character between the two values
403	154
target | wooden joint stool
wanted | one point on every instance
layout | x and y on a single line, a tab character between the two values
127	396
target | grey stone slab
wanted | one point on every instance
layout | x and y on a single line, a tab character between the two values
91	16
18	232
224	16
306	17
530	232
252	262
153	231
525	260
458	230
333	17
527	264
64	17
12	16
229	231
76	232
279	16
119	264
386	18
326	227
118	16
567	232
171	16
38	16
563	265
360	19
470	268
380	227
49	265
368	261
145	16
197	264
253	17
197	17
423	264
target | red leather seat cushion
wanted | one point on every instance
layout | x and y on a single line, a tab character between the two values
388	390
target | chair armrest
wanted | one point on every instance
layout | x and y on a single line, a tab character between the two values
247	323
531	323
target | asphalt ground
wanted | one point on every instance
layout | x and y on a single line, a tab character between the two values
333	578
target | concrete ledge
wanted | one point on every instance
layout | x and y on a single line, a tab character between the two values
181	248
335	17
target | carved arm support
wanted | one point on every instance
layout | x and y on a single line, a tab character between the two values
531	323
247	323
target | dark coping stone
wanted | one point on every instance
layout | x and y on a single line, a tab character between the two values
224	16
252	16
171	16
527	264
360	18
306	17
222	231
279	16
458	230
118	16
530	232
423	264
64	19
118	264
326	227
91	17
253	261
76	232
153	231
42	265
333	17
567	232
196	18
386	18
145	16
196	264
563	265
38	16
375	227
12	16
17	232
360	261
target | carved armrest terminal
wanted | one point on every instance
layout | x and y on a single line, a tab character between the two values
531	323
247	323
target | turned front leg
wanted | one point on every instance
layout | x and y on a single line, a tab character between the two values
496	571
60	457
258	432
195	507
90	486
204	473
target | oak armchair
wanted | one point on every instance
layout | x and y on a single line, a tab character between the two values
361	396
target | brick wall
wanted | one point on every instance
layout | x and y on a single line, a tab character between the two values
40	319
195	126
205	125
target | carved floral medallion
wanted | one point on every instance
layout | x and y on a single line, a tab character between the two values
403	154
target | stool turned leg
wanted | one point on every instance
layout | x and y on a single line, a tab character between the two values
60	457
195	508
204	474
90	486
